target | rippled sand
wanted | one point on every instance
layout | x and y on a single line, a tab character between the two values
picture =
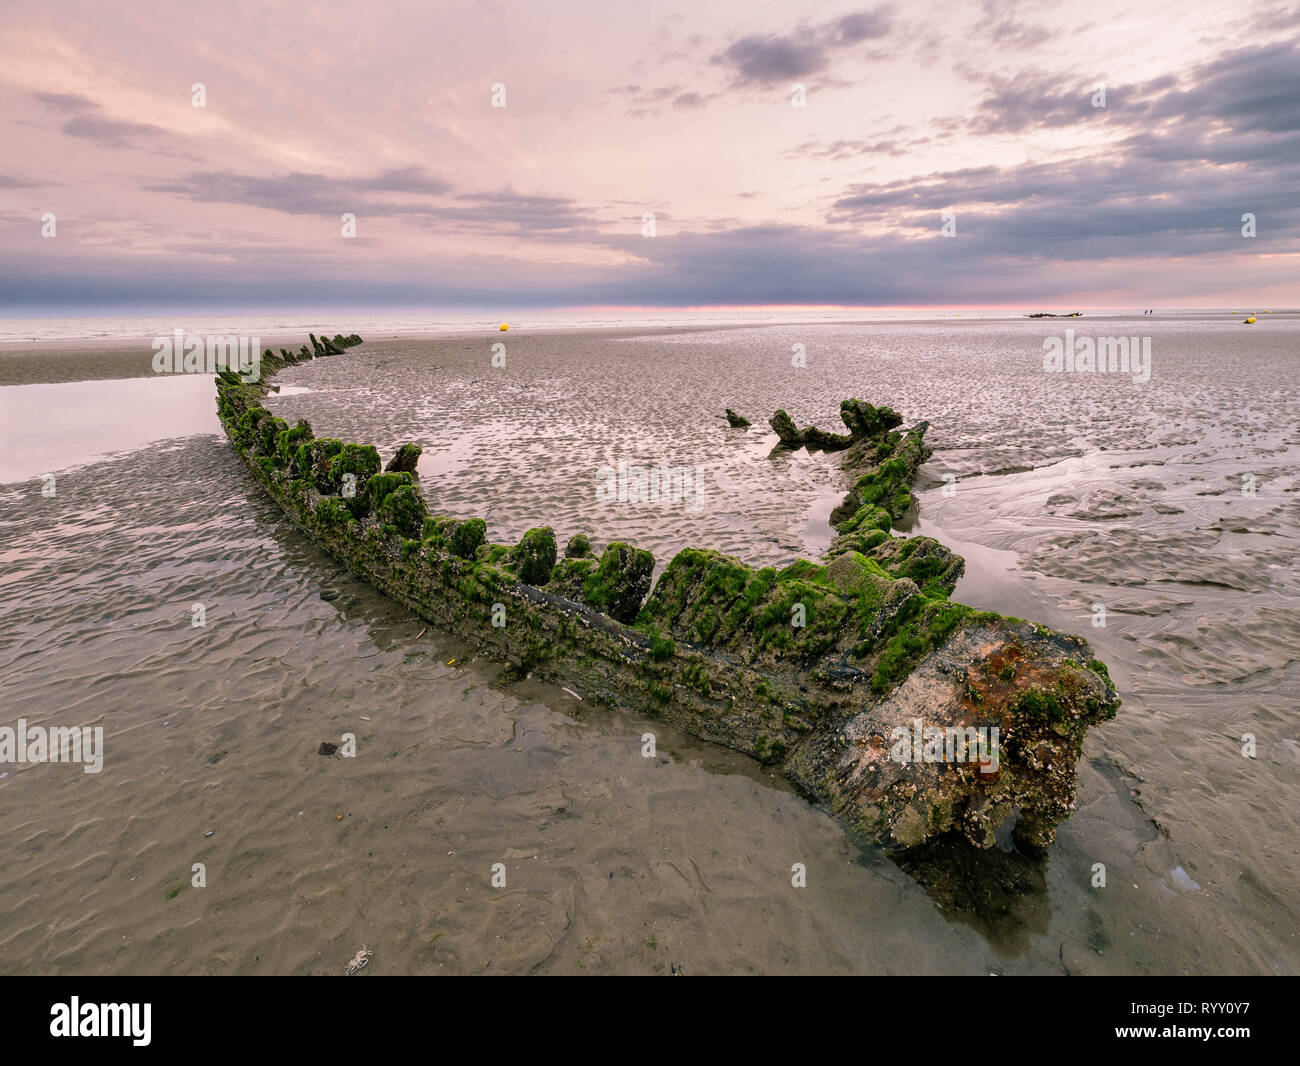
1088	491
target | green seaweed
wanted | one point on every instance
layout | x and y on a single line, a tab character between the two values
765	660
404	509
534	556
619	584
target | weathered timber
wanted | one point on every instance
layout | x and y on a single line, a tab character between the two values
819	669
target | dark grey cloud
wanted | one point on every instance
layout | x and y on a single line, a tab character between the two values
1037	100
1262	152
768	263
89	123
110	133
689	102
764	61
66	101
659	95
781	264
651	101
1183	158
8	181
1246	89
1001	25
847	149
1188	157
413	179
1253	88
306	193
542	217
862	26
1089	209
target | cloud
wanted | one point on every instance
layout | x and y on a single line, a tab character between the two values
413	179
1278	19
528	215
743	264
1000	26
305	193
66	101
89	123
108	133
689	101
1088	209
765	61
862	26
648	101
1188	156
1146	191
1036	100
1251	88
847	149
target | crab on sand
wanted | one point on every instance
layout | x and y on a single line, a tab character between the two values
357	961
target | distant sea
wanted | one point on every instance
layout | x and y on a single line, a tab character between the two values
274	324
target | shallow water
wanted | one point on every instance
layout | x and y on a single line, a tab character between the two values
49	427
1090	490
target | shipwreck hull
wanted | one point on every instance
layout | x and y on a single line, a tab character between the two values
815	669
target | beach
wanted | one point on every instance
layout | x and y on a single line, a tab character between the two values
1064	491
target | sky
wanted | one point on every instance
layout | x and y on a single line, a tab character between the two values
980	118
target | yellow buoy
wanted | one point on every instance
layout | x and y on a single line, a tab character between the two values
504	326
1268	312
1248	321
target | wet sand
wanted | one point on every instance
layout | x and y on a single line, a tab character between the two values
617	863
40	361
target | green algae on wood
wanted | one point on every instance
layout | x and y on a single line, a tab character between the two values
810	668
